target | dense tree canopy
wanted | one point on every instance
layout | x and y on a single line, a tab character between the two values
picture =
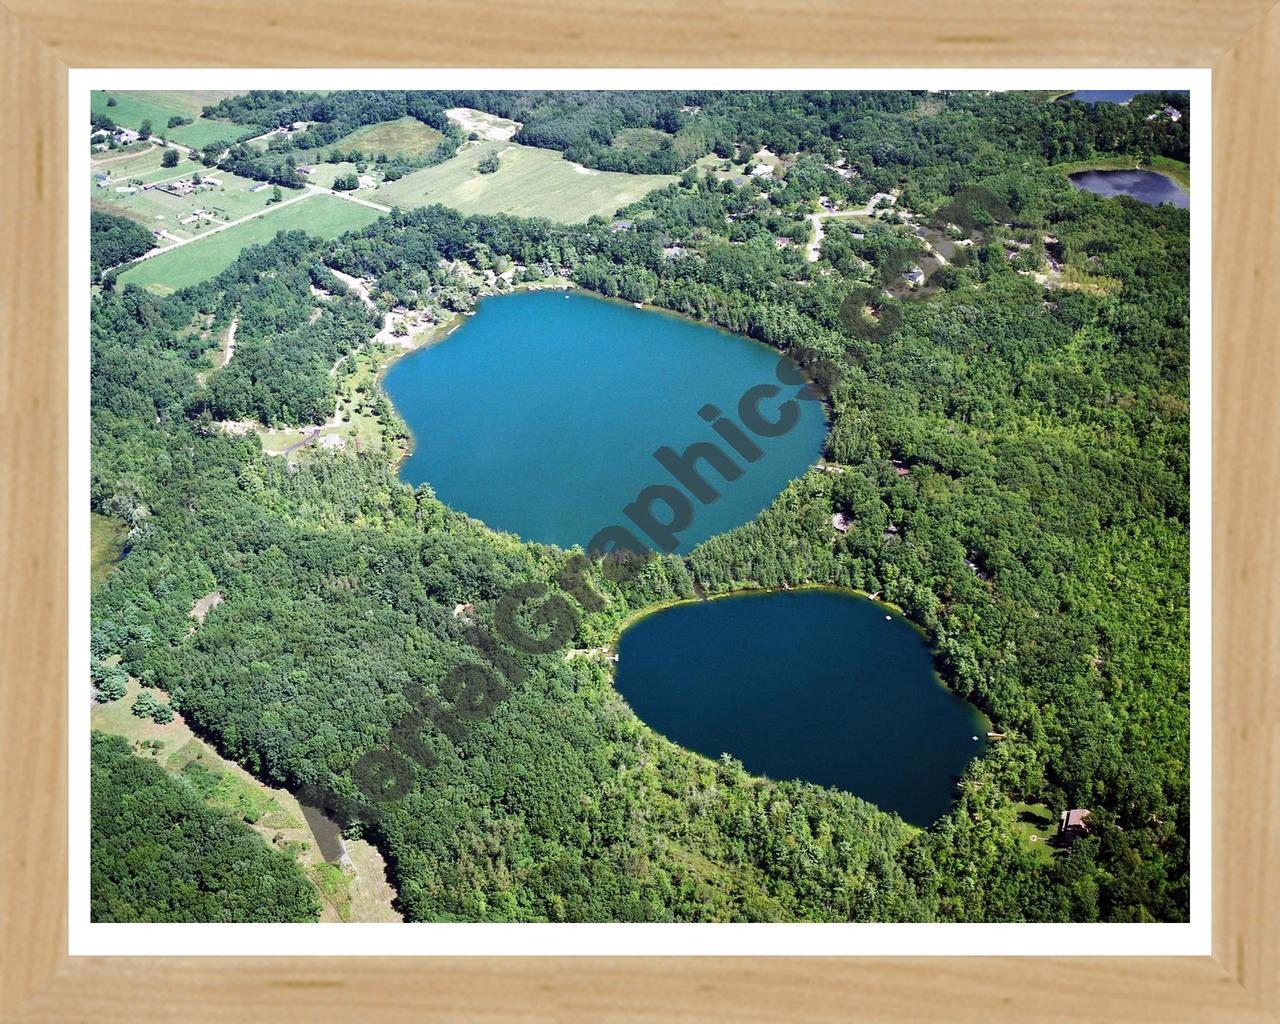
158	852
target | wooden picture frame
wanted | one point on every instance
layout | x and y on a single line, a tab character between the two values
1239	39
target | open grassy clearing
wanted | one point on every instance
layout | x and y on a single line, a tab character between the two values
106	543
406	136
321	215
529	182
718	166
273	813
133	107
324	175
640	140
1037	826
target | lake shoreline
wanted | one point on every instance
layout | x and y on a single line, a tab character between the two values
1181	177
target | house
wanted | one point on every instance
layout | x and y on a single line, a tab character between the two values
260	186
781	242
1073	824
913	277
621	225
1172	113
671	252
332	442
101	179
124	136
762	171
841	521
883	199
304	168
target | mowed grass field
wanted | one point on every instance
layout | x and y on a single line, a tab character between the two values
157	106
529	182
406	136
321	215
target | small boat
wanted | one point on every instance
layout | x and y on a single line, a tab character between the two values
638	305
975	739
888	618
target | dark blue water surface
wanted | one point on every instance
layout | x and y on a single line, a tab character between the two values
819	685
1114	95
1145	186
542	413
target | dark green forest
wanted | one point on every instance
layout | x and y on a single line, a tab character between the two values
159	853
1013	456
114	240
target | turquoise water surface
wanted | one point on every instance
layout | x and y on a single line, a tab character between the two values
541	415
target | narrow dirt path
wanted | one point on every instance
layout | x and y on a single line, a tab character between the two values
230	348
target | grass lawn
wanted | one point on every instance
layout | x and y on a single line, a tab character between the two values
1037	825
529	182
324	175
406	136
321	215
106	542
232	198
157	106
716	165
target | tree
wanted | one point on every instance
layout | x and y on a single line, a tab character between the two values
489	164
110	683
144	129
276	194
170	158
111	101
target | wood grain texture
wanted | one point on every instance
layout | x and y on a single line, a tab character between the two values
38	40
1246	428
657	33
33	511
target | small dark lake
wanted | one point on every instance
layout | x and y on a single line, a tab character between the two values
1112	95
1145	186
806	684
541	415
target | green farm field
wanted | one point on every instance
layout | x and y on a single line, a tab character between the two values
406	136
134	107
321	215
528	183
232	198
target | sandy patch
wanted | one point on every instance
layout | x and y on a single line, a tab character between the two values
487	126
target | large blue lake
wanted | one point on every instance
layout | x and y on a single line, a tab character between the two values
541	416
819	685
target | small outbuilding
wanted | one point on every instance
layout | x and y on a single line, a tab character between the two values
1073	824
841	522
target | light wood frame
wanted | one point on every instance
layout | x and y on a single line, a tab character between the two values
41	39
